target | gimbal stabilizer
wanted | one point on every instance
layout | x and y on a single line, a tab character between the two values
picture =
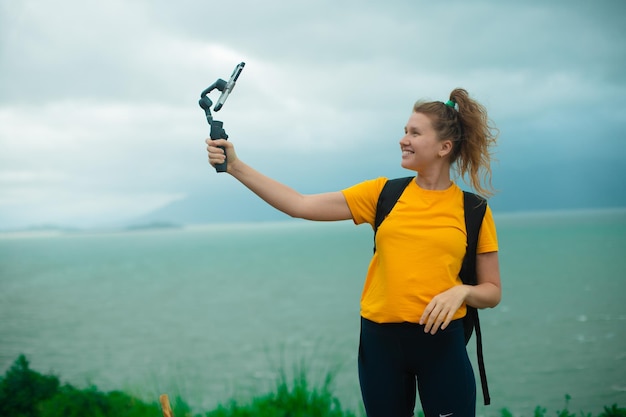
217	127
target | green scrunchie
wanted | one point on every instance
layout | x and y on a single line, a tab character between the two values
450	103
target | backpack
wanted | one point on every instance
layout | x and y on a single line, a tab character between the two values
474	207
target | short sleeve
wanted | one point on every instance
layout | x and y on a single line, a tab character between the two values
362	199
487	237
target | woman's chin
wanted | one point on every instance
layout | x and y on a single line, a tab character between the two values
404	163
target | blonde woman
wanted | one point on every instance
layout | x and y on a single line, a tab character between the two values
413	300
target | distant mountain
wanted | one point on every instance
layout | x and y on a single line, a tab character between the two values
204	207
570	185
532	188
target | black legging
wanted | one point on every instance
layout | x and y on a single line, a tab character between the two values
393	356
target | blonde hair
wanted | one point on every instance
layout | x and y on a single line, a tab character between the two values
471	133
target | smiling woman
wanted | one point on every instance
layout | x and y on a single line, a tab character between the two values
413	300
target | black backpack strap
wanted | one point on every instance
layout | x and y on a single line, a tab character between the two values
388	197
474	207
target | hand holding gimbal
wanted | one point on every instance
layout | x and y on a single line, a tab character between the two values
217	127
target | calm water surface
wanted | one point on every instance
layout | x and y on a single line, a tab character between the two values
215	312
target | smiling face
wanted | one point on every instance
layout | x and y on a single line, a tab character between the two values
421	148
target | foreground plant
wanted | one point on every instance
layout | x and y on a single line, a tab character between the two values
27	393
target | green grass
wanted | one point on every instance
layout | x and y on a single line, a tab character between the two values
27	393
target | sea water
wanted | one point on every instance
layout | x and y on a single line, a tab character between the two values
219	312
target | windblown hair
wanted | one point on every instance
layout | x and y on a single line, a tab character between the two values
471	133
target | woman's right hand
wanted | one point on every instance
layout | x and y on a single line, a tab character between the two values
218	155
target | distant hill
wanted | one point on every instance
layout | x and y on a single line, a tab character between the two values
532	188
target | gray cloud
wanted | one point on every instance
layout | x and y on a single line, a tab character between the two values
99	99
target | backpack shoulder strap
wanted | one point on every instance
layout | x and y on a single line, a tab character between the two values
474	208
388	197
391	192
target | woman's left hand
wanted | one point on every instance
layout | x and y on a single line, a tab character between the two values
441	309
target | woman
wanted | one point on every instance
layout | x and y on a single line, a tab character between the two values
413	300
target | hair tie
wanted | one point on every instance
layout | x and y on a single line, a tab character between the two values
450	103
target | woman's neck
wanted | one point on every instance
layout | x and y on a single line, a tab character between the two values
438	180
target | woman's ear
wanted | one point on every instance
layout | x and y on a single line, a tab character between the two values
446	148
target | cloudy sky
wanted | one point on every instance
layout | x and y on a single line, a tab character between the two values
99	121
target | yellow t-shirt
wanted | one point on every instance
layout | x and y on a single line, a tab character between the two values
419	248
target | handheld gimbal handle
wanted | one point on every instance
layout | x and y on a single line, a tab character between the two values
218	132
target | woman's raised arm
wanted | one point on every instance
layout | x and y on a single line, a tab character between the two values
322	207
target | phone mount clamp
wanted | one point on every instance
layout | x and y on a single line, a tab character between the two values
217	127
